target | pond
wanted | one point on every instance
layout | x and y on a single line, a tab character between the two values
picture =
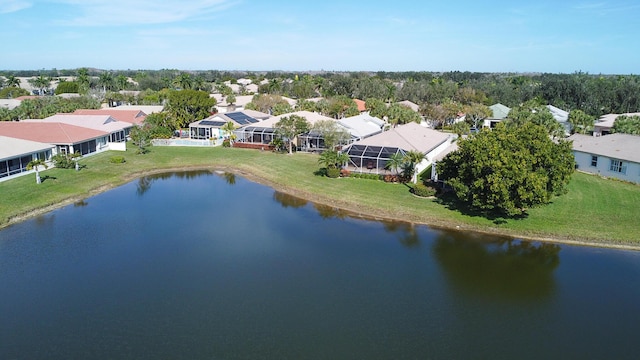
201	265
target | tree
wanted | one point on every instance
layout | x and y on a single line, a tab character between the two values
376	107
83	80
35	164
412	159
67	87
106	81
627	125
187	106
395	162
290	127
461	128
476	113
141	137
581	122
333	160
229	127
41	82
509	169
332	133
13	81
266	102
121	82
183	81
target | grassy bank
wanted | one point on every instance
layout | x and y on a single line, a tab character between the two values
595	210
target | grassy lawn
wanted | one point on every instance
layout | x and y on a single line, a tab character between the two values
596	210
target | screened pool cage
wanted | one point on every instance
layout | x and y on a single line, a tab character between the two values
310	141
371	159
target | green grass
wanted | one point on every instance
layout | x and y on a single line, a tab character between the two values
595	210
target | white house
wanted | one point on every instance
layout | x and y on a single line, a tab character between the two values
562	117
15	155
499	112
615	155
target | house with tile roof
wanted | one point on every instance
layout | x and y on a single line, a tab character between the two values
361	104
67	139
615	155
372	154
117	130
16	154
211	127
135	117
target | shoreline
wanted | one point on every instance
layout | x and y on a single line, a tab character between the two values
319	199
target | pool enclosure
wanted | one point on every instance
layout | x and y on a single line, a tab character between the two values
370	159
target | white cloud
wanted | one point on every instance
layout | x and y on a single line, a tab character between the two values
128	12
9	6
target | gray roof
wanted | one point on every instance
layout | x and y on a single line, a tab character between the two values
362	125
617	146
558	114
499	111
12	147
411	136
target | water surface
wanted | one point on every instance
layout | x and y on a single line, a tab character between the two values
207	266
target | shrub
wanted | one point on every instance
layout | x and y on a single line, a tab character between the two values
62	161
423	190
333	172
117	160
226	143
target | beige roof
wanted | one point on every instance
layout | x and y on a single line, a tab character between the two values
50	133
311	117
97	122
617	146
147	109
449	149
12	147
411	105
135	117
606	121
241	100
411	136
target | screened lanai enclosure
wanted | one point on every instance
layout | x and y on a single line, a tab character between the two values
254	134
370	159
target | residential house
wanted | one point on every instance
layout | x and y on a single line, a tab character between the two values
16	154
211	127
562	117
371	155
264	132
499	112
411	105
604	125
361	104
238	105
616	155
362	126
117	130
66	138
135	117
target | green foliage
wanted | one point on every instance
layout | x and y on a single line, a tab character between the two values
627	125
366	176
226	143
45	106
269	104
333	173
461	128
508	170
141	138
331	132
68	87
12	92
423	190
333	159
581	122
117	160
62	161
187	106
291	126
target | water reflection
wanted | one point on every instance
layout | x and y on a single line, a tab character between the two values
287	200
144	183
502	269
407	232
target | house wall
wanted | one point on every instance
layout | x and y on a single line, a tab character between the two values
17	166
432	154
603	167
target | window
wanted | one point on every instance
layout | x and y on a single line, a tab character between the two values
594	161
618	166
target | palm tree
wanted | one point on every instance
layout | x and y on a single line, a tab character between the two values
183	81
106	80
122	81
13	81
395	162
414	157
41	83
333	160
229	127
35	164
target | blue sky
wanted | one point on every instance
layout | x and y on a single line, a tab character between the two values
401	35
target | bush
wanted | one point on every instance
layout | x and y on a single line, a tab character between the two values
117	160
423	190
333	172
62	161
366	176
226	143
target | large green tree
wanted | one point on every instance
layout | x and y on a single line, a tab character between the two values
581	122
187	106
290	127
508	170
332	133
